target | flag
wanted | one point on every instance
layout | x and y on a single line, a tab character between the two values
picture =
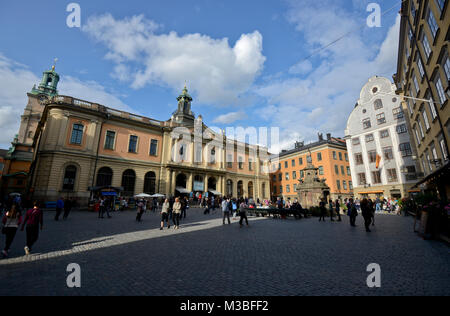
378	161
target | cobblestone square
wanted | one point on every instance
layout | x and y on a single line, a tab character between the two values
119	256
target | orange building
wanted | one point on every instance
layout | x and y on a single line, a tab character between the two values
329	155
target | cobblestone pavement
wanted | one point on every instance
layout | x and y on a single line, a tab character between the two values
121	257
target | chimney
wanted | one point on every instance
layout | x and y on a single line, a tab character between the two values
320	137
329	137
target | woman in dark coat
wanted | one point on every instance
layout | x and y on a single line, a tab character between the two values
366	213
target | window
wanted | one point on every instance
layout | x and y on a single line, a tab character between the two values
281	189
416	84
132	147
77	134
378	104
338	184
431	105
302	174
128	183
336	169
104	177
408	102
346	157
288	188
359	159
417	135
398	113
372	156
241	163
300	161
334	155
340	156
426	45
286	165
366	124
69	178
388	154
230	162
440	90
401	129
420	65
362	179
384	133
342	170
287	175
250	165
376	177
405	149
280	177
319	157
411	169
429	162
348	171
344	184
150	183
110	139
350	185
369	138
392	175
212	158
440	4
295	187
274	178
432	23
321	171
153	147
274	189
294	175
381	118
293	162
445	63
443	149
425	119
355	141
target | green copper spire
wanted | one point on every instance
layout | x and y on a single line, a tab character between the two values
49	83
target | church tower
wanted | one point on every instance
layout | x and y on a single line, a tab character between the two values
183	115
34	109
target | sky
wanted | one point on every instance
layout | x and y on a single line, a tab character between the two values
247	63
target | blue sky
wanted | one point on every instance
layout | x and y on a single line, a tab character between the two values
244	61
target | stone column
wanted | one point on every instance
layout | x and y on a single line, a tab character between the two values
206	183
173	183
190	180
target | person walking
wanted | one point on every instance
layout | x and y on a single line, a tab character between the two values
338	210
165	214
68	204
176	213
372	210
33	219
352	212
323	211
226	210
183	202
366	213
330	205
140	210
243	214
11	222
59	208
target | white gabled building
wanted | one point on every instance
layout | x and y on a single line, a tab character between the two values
377	136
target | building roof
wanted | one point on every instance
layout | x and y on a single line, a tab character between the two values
333	141
3	153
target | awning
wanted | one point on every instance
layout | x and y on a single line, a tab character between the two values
215	192
432	177
414	191
374	192
182	190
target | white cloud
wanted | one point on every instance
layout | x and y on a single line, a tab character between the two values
16	80
218	73
230	118
321	99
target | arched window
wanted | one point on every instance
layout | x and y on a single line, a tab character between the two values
150	183
378	104
104	177
181	181
212	184
230	188
70	175
250	190
128	182
240	189
77	134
